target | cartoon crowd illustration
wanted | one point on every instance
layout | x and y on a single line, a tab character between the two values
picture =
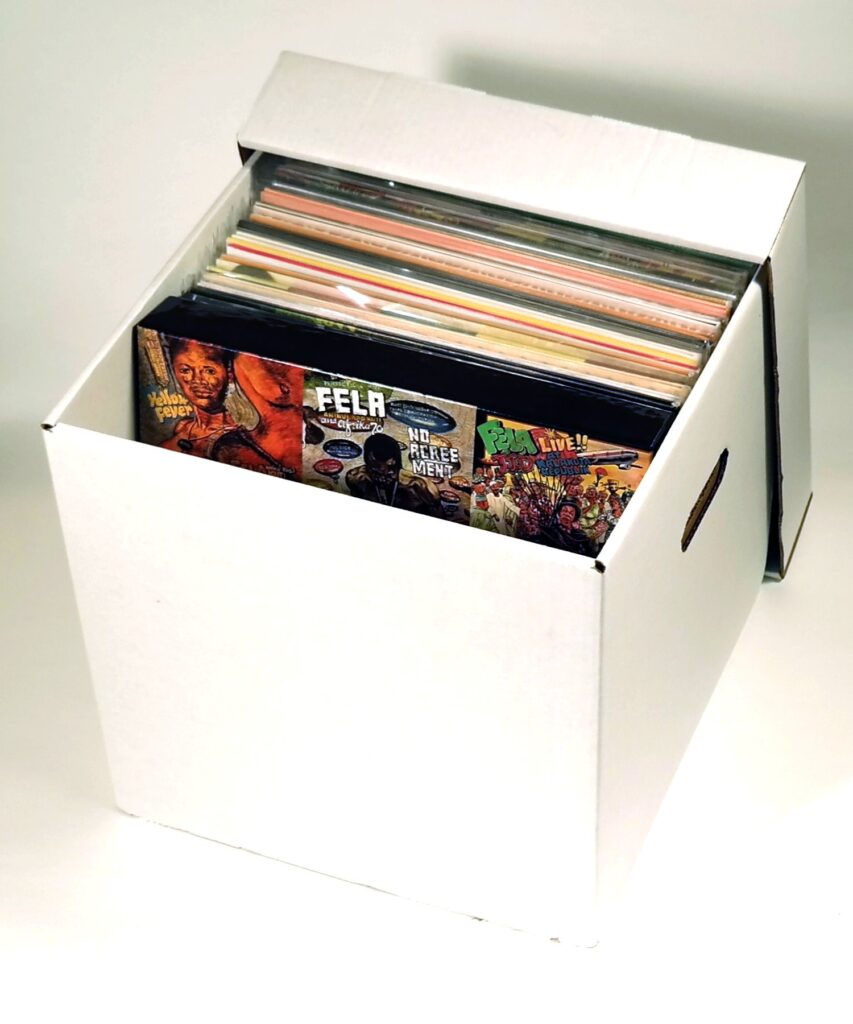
568	513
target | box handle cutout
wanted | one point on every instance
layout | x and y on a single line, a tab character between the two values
703	502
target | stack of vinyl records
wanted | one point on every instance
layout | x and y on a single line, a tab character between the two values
434	353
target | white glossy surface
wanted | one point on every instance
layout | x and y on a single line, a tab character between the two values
741	906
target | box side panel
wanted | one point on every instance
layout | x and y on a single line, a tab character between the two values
100	399
790	382
671	616
381	696
598	171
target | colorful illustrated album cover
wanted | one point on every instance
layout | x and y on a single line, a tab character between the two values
218	404
393	447
388	446
564	490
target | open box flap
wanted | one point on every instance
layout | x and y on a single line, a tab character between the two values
609	174
591	169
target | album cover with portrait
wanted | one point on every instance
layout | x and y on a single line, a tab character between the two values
461	462
233	407
388	446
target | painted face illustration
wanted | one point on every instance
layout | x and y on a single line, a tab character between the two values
567	516
383	462
201	374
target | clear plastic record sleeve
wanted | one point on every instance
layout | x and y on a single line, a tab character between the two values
413	325
479	263
266	265
494	302
495	283
650	269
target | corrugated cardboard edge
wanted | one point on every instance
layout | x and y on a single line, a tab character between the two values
775	559
784	449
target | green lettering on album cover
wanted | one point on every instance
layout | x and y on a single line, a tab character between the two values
499	439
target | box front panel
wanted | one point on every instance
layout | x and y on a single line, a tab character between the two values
351	688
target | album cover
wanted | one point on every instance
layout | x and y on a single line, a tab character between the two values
392	446
564	490
216	403
388	446
521	393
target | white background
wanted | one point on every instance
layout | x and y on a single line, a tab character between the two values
118	130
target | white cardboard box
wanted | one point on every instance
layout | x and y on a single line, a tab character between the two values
481	724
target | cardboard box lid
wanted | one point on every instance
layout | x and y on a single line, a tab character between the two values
593	170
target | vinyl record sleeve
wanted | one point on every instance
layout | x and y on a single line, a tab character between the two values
519	393
304	297
617	256
434	290
239	402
